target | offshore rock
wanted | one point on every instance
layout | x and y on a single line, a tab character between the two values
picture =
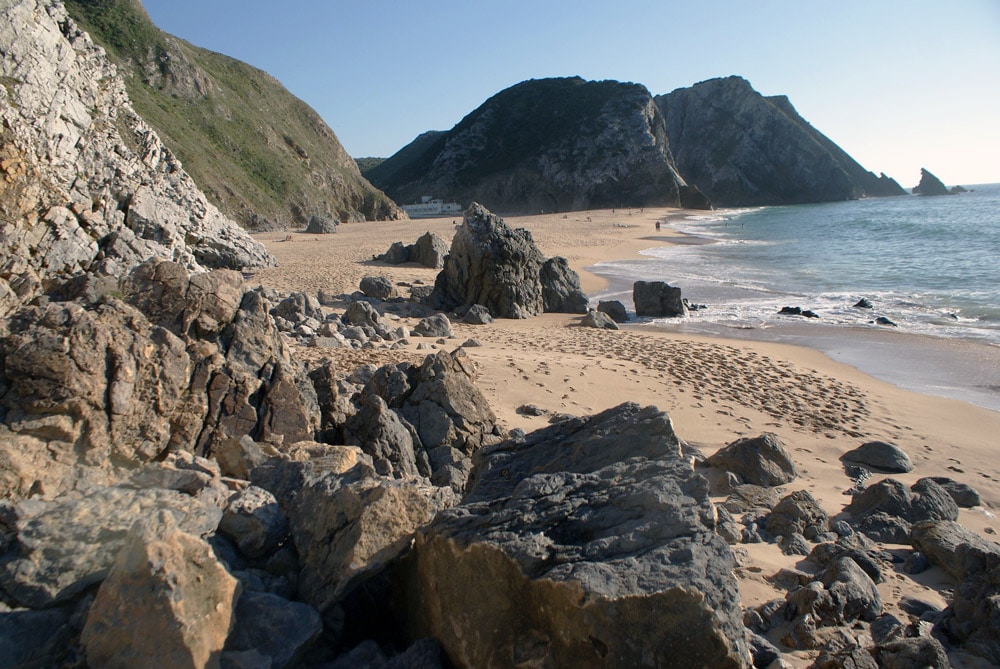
657	299
930	185
588	543
88	185
166	602
615	309
742	149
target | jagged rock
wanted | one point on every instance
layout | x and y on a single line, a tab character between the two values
238	455
864	303
546	145
276	629
656	299
798	512
319	225
347	527
952	547
851	658
603	520
284	478
828	552
925	500
166	601
561	291
615	309
762	460
882	320
297	307
912	653
881	456
88	185
742	149
386	437
429	250
599	320
964	495
253	520
397	254
378	288
477	315
437	325
491	264
930	185
68	544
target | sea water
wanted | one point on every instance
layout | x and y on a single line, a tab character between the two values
930	265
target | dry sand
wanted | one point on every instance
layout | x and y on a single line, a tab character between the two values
714	390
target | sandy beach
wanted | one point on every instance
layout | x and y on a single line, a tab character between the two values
715	390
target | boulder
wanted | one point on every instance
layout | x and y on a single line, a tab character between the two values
363	314
745	497
880	456
391	441
319	225
477	315
274	628
599	320
964	495
561	291
429	250
397	254
657	299
378	288
912	653
166	602
615	309
855	595
348	527
437	325
68	544
762	460
491	264
587	543
925	500
253	520
798	512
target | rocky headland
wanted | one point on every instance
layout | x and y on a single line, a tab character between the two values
198	471
742	149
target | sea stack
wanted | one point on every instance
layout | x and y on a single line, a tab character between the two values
930	185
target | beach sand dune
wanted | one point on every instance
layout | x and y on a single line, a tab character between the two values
714	390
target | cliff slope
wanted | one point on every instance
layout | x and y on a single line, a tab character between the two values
743	149
263	156
546	145
86	186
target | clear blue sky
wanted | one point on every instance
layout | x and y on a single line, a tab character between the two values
898	84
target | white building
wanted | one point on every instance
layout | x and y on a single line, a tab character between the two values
429	207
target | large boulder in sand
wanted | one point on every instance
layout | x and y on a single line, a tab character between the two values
166	602
589	543
762	460
561	291
890	500
657	299
880	456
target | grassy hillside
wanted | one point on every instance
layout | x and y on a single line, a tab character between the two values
261	155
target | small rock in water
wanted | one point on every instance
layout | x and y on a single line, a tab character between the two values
864	303
882	320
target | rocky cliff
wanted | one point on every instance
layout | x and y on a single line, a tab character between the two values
546	145
85	183
743	149
930	185
262	156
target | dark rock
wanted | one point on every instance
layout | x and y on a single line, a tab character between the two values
916	563
477	315
958	189
275	628
363	314
880	456
386	437
32	639
864	303
798	512
561	291
742	149
493	265
917	607
794	544
297	307
744	497
964	495
727	527
827	553
952	547
854	593
599	320
253	520
912	653
321	226
656	299
378	288
885	527
429	250
850	658
798	311
615	309
809	314
762	460
602	520
888	499
887	628
762	651
397	254
882	320
437	325
930	185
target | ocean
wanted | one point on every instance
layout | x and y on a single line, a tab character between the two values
931	265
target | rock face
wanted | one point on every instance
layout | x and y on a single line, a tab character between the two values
263	156
930	185
590	543
166	602
546	145
740	148
88	186
656	299
500	268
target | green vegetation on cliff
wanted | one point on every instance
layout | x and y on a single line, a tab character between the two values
263	156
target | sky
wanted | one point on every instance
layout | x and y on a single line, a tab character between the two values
897	84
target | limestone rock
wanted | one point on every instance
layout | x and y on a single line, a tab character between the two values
762	460
656	299
880	456
166	601
603	522
561	291
67	545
